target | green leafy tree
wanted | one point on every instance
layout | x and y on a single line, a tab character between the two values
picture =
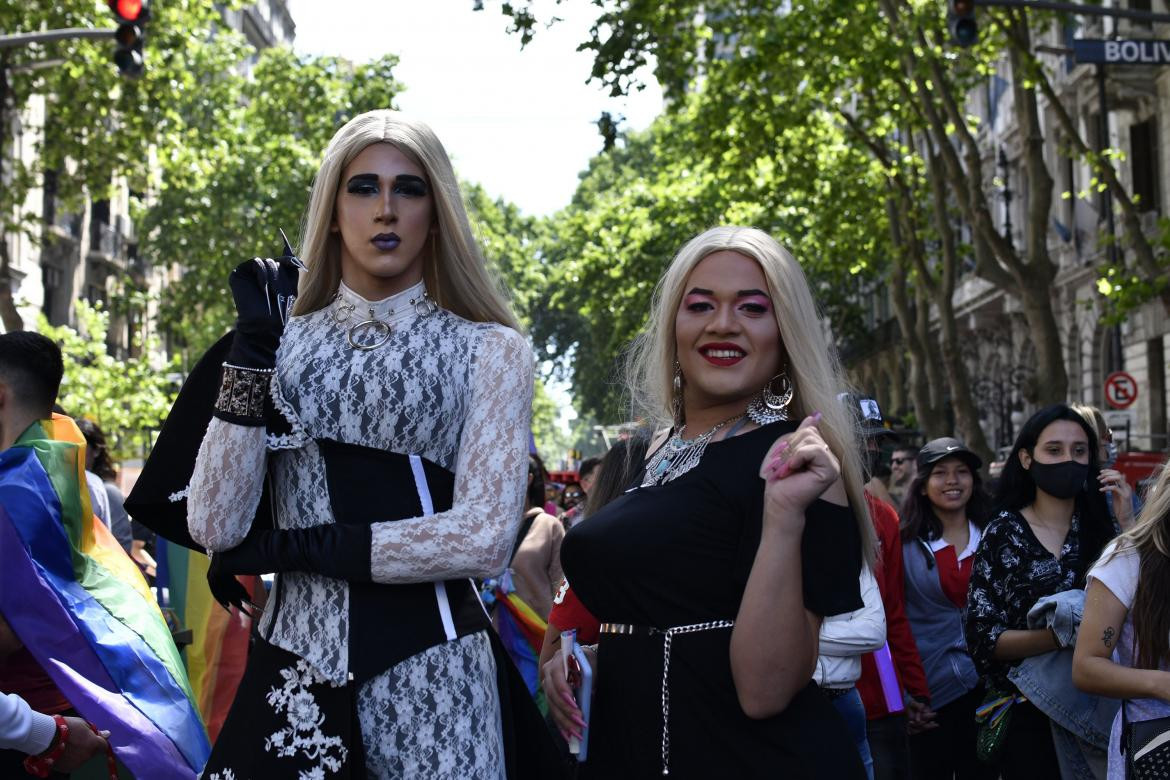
98	126
223	195
127	398
885	73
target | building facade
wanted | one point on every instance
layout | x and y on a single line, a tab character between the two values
92	253
999	355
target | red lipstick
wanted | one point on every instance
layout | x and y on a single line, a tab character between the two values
722	353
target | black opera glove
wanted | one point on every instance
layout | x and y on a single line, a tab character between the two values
337	550
264	290
225	588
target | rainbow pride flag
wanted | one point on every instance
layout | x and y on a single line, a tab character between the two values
219	648
521	630
80	605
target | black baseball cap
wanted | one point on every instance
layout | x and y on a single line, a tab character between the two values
869	415
947	447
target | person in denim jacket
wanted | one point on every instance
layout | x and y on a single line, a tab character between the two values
1052	524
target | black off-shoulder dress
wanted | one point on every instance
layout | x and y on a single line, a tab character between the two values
680	554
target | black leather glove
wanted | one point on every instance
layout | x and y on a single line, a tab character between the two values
226	589
338	550
263	290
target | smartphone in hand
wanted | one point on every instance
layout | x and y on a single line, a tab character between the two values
580	676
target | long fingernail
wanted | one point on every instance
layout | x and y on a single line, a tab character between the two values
817	416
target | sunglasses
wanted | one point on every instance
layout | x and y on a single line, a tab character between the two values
900	461
571	496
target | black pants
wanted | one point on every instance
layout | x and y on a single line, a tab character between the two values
948	751
887	745
1028	751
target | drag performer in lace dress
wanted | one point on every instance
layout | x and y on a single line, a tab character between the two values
407	391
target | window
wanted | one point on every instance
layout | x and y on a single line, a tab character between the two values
1143	155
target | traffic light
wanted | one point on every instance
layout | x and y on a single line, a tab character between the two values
961	21
132	16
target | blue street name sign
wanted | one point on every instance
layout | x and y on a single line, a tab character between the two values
1149	52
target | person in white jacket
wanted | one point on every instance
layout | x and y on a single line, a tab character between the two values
844	639
24	730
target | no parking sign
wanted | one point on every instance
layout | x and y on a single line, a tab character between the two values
1121	390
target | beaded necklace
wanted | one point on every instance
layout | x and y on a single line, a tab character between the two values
678	455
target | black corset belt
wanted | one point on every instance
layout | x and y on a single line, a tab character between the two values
390	623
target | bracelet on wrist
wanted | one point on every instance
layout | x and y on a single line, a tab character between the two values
242	393
41	764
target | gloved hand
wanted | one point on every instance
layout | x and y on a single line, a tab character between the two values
338	550
226	589
263	290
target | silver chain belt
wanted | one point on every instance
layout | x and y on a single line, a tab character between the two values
668	635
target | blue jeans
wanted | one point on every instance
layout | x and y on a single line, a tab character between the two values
853	711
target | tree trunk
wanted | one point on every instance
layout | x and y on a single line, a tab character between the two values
922	396
962	403
9	316
1038	273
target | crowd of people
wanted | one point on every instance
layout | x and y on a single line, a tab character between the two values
759	582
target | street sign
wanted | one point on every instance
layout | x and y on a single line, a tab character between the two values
1121	390
1144	52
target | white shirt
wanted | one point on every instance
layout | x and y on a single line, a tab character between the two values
973	537
22	729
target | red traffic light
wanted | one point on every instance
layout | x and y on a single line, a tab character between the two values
130	10
963	7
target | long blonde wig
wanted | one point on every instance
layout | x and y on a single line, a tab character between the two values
456	275
1150	537
811	361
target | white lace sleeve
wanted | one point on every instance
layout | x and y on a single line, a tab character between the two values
474	537
226	485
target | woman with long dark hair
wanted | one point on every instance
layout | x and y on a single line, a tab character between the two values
944	513
1052	523
1123	649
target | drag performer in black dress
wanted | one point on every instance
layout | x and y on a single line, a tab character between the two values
746	527
406	389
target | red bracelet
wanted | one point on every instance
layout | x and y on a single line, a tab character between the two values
41	764
111	762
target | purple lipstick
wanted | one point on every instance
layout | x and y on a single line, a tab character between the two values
386	242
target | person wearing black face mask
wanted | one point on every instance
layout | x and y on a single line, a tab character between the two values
1052	524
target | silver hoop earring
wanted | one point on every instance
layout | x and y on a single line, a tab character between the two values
770	405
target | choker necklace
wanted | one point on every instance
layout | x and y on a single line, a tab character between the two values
374	326
678	455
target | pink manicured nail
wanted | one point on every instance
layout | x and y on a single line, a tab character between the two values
782	472
817	416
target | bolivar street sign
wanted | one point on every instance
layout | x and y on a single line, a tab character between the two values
1149	52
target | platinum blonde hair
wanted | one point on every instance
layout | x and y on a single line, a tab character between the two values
456	275
809	359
